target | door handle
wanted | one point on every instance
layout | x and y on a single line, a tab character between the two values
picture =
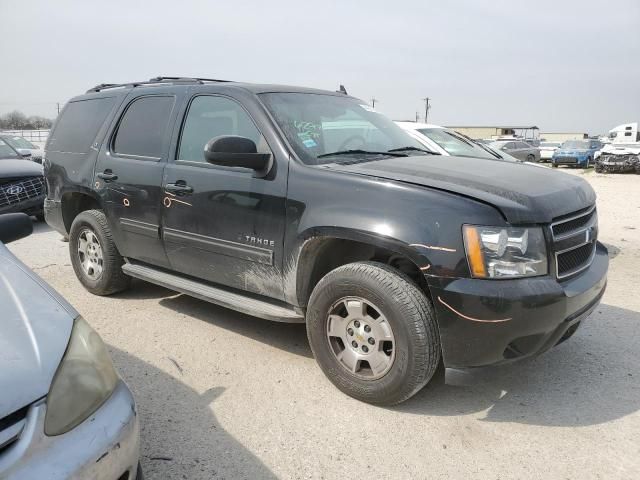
107	176
179	188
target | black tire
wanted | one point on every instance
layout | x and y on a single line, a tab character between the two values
112	279
598	168
554	165
40	217
531	158
408	312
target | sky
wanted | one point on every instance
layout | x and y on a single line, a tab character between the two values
563	65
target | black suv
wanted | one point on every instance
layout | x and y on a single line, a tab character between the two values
21	183
302	205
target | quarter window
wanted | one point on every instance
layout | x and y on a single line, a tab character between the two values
142	130
212	116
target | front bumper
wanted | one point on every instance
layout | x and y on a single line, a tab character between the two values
569	160
103	447
485	322
32	206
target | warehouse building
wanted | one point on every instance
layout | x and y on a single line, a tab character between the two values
493	132
562	136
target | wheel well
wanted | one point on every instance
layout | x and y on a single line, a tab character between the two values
324	255
75	203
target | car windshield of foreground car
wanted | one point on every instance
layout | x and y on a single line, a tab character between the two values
455	144
575	144
331	128
6	151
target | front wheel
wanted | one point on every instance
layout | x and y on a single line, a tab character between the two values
94	256
554	165
531	158
373	332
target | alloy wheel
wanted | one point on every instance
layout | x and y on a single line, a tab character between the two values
90	254
360	337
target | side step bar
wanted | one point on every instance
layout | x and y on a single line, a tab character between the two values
224	298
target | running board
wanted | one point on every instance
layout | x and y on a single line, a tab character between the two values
224	298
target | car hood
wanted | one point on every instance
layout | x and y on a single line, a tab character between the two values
20	168
573	151
523	192
36	327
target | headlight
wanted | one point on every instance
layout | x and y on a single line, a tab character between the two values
84	381
495	252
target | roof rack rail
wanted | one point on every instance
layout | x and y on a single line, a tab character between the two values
153	81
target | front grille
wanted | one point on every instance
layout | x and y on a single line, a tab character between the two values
574	259
573	223
567	159
574	240
20	190
11	427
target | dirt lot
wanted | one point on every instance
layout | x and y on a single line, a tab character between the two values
223	395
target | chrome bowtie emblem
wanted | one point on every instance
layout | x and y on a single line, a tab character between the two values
14	190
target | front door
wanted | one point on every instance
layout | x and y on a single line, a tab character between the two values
224	224
128	176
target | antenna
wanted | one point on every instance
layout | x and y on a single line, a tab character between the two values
342	90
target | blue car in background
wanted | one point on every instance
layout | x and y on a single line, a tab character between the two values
578	153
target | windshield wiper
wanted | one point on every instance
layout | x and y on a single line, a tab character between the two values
361	152
413	149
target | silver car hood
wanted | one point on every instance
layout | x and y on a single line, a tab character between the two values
35	326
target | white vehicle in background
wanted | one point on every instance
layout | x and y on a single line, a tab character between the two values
23	146
451	143
623	153
547	149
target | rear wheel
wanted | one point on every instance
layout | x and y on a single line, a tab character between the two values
94	256
554	165
373	333
531	158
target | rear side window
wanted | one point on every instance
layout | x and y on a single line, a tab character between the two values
142	129
78	125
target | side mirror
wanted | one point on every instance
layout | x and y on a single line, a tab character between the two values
24	153
14	226
235	151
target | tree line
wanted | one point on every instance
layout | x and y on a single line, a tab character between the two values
17	120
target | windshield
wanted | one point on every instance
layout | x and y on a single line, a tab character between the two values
6	151
549	144
19	142
318	126
454	143
575	144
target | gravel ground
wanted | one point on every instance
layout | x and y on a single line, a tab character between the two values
224	395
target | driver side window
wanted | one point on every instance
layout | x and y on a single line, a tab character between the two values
211	116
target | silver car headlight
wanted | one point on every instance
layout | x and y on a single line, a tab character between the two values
497	252
85	379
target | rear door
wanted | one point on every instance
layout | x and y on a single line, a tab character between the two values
128	175
225	224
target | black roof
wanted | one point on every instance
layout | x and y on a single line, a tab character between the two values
188	81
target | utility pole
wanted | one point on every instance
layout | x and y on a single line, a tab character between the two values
373	102
427	107
417	117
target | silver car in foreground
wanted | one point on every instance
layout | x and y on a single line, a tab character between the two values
64	412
